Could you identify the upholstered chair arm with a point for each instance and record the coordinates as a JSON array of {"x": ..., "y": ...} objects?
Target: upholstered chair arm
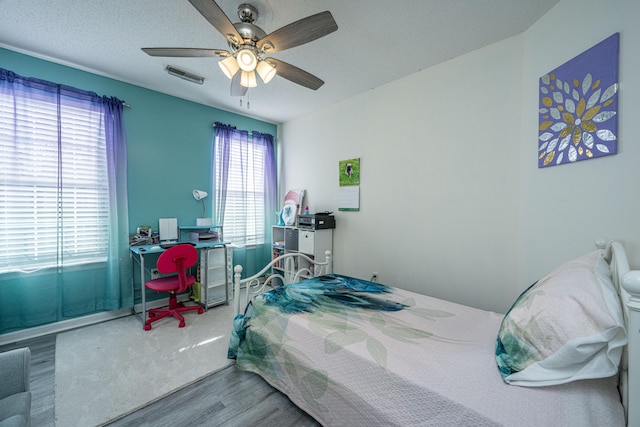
[{"x": 15, "y": 368}]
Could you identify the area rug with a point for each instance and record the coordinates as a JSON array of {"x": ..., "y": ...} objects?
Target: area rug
[{"x": 108, "y": 370}]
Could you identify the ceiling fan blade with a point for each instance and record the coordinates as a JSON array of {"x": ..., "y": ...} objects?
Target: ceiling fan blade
[
  {"x": 216, "y": 17},
  {"x": 236, "y": 88},
  {"x": 295, "y": 74},
  {"x": 299, "y": 32},
  {"x": 185, "y": 52}
]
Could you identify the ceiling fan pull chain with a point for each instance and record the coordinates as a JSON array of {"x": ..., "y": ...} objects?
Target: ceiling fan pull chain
[{"x": 248, "y": 103}]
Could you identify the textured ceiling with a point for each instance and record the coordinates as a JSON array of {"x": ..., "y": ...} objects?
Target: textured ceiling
[{"x": 377, "y": 41}]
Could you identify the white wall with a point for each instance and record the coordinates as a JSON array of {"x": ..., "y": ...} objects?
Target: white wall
[
  {"x": 563, "y": 208},
  {"x": 452, "y": 203}
]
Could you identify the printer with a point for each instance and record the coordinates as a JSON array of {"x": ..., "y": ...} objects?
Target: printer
[
  {"x": 316, "y": 221},
  {"x": 203, "y": 236}
]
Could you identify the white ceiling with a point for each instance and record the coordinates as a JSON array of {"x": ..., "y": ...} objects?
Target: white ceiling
[{"x": 377, "y": 41}]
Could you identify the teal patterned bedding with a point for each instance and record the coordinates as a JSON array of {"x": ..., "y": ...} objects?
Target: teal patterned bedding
[
  {"x": 332, "y": 293},
  {"x": 353, "y": 352}
]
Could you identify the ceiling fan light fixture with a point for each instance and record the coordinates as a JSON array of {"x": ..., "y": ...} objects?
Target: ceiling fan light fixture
[
  {"x": 247, "y": 60},
  {"x": 266, "y": 71},
  {"x": 229, "y": 66},
  {"x": 248, "y": 79},
  {"x": 249, "y": 45}
]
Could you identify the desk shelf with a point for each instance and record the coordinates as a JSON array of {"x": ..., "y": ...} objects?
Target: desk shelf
[{"x": 188, "y": 229}]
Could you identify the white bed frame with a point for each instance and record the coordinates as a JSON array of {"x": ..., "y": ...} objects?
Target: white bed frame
[
  {"x": 627, "y": 281},
  {"x": 257, "y": 283}
]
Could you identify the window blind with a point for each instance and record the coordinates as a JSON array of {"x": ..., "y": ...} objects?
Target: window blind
[
  {"x": 54, "y": 208},
  {"x": 244, "y": 221}
]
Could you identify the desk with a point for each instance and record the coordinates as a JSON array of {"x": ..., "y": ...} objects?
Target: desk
[{"x": 138, "y": 254}]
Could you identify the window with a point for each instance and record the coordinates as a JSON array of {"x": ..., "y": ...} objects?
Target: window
[
  {"x": 245, "y": 184},
  {"x": 54, "y": 189},
  {"x": 244, "y": 204}
]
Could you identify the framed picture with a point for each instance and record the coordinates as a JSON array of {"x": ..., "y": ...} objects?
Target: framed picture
[
  {"x": 292, "y": 206},
  {"x": 349, "y": 192},
  {"x": 578, "y": 107},
  {"x": 144, "y": 231},
  {"x": 349, "y": 172}
]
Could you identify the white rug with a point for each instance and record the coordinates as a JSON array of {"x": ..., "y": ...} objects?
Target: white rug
[{"x": 108, "y": 370}]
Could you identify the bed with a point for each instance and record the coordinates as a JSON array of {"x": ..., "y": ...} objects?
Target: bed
[{"x": 353, "y": 352}]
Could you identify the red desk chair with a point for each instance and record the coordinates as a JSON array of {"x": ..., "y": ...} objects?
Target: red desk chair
[{"x": 174, "y": 260}]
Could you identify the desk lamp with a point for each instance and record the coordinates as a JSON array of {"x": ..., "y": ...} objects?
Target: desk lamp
[{"x": 200, "y": 195}]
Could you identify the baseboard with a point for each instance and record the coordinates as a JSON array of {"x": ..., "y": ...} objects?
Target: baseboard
[{"x": 66, "y": 325}]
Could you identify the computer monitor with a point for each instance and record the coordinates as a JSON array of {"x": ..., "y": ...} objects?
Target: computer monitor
[{"x": 168, "y": 230}]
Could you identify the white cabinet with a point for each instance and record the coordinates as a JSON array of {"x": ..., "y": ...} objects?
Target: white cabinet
[
  {"x": 315, "y": 242},
  {"x": 215, "y": 275}
]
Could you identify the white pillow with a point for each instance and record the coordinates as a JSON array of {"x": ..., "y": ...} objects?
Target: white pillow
[{"x": 568, "y": 326}]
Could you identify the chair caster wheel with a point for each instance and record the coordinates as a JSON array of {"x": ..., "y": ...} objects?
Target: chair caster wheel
[
  {"x": 147, "y": 327},
  {"x": 181, "y": 325},
  {"x": 200, "y": 310}
]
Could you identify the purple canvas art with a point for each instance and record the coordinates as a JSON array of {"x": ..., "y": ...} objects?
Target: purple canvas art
[{"x": 578, "y": 107}]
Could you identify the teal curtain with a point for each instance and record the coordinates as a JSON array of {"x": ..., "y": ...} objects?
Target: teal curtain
[{"x": 68, "y": 284}]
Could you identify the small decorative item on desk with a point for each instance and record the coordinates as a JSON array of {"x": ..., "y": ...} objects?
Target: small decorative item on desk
[
  {"x": 306, "y": 210},
  {"x": 143, "y": 236},
  {"x": 144, "y": 230}
]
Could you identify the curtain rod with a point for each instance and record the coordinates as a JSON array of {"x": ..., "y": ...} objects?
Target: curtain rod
[
  {"x": 234, "y": 127},
  {"x": 239, "y": 130},
  {"x": 243, "y": 130}
]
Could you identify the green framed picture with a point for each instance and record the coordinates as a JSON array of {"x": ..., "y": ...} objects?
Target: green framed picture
[
  {"x": 349, "y": 172},
  {"x": 349, "y": 193}
]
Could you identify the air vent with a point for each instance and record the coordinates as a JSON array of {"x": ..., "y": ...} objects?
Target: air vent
[{"x": 194, "y": 78}]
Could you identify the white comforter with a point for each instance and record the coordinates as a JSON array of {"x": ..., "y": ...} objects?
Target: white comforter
[{"x": 431, "y": 363}]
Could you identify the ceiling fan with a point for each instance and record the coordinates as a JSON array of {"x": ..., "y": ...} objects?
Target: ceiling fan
[{"x": 250, "y": 45}]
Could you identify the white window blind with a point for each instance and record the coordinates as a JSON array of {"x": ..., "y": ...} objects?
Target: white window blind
[
  {"x": 54, "y": 196},
  {"x": 244, "y": 221}
]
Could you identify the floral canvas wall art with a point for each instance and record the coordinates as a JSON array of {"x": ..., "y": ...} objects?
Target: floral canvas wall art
[{"x": 578, "y": 107}]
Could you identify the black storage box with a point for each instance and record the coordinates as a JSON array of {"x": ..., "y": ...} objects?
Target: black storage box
[{"x": 316, "y": 221}]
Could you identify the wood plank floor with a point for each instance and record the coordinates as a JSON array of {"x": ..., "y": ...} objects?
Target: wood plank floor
[{"x": 227, "y": 398}]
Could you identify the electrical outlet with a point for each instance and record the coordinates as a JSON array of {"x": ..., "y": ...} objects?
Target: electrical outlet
[
  {"x": 374, "y": 277},
  {"x": 155, "y": 274}
]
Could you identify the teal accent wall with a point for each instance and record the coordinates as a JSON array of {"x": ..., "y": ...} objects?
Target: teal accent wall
[{"x": 169, "y": 140}]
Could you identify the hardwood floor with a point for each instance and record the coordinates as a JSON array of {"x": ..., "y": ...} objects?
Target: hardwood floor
[
  {"x": 43, "y": 353},
  {"x": 227, "y": 398}
]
